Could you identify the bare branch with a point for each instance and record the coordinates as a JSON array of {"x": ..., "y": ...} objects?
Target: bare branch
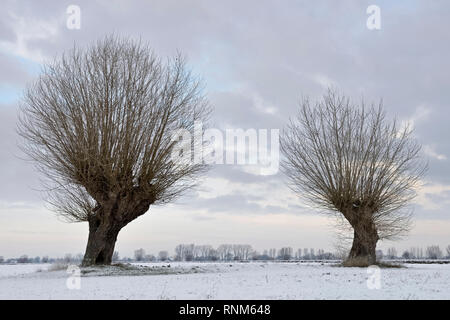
[
  {"x": 350, "y": 159},
  {"x": 99, "y": 125}
]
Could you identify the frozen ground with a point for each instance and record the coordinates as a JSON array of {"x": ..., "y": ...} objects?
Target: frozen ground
[{"x": 228, "y": 281}]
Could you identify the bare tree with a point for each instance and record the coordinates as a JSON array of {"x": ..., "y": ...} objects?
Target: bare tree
[
  {"x": 100, "y": 124},
  {"x": 225, "y": 251},
  {"x": 189, "y": 252},
  {"x": 246, "y": 251},
  {"x": 448, "y": 251},
  {"x": 237, "y": 255},
  {"x": 379, "y": 254},
  {"x": 185, "y": 252},
  {"x": 197, "y": 252},
  {"x": 163, "y": 255},
  {"x": 149, "y": 258},
  {"x": 350, "y": 160},
  {"x": 179, "y": 252},
  {"x": 68, "y": 258},
  {"x": 272, "y": 253},
  {"x": 242, "y": 251},
  {"x": 23, "y": 259},
  {"x": 306, "y": 254},
  {"x": 416, "y": 253},
  {"x": 115, "y": 256},
  {"x": 406, "y": 255},
  {"x": 139, "y": 254},
  {"x": 311, "y": 253},
  {"x": 285, "y": 253},
  {"x": 434, "y": 252},
  {"x": 203, "y": 252},
  {"x": 320, "y": 254}
]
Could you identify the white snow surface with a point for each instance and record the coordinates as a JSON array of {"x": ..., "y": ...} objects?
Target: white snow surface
[{"x": 254, "y": 280}]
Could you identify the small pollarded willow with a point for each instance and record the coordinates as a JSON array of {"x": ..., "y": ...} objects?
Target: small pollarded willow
[
  {"x": 99, "y": 123},
  {"x": 350, "y": 159}
]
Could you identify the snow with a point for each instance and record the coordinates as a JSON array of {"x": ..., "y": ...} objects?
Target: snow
[
  {"x": 7, "y": 270},
  {"x": 255, "y": 280}
]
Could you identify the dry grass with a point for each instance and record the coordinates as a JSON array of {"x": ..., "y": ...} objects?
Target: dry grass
[
  {"x": 360, "y": 262},
  {"x": 364, "y": 263},
  {"x": 58, "y": 266},
  {"x": 121, "y": 269}
]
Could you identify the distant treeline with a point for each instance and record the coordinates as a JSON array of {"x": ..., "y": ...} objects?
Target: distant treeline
[{"x": 240, "y": 252}]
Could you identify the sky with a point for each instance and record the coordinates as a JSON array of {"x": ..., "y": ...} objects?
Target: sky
[{"x": 257, "y": 60}]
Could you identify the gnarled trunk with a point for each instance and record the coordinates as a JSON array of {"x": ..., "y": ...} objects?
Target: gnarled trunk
[
  {"x": 101, "y": 242},
  {"x": 105, "y": 225},
  {"x": 365, "y": 238}
]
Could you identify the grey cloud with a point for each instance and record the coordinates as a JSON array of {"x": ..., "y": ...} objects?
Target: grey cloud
[
  {"x": 19, "y": 180},
  {"x": 236, "y": 204},
  {"x": 12, "y": 74},
  {"x": 276, "y": 51}
]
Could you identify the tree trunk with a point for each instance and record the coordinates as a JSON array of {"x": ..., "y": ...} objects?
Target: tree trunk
[
  {"x": 365, "y": 240},
  {"x": 101, "y": 242},
  {"x": 105, "y": 226}
]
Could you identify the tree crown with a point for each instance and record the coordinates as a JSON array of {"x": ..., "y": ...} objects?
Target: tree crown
[
  {"x": 99, "y": 124},
  {"x": 350, "y": 159}
]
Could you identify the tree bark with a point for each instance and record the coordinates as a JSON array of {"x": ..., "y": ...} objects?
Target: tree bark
[
  {"x": 365, "y": 238},
  {"x": 105, "y": 225},
  {"x": 101, "y": 242}
]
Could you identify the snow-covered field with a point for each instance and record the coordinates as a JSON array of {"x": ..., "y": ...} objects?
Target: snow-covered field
[{"x": 254, "y": 280}]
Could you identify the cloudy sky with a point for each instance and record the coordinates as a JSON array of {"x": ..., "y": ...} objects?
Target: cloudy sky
[{"x": 257, "y": 58}]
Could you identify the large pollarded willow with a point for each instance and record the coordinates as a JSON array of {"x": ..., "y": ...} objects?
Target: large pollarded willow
[
  {"x": 350, "y": 159},
  {"x": 99, "y": 123}
]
